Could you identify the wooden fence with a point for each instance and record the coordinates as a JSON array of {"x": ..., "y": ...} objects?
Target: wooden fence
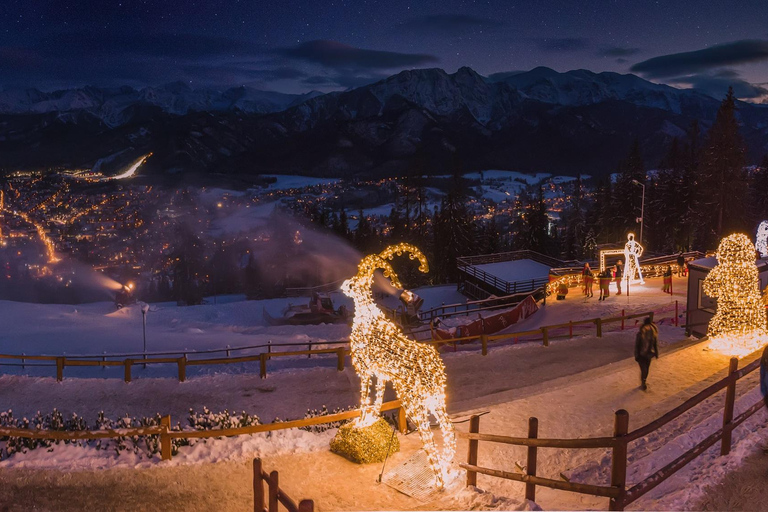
[
  {"x": 268, "y": 502},
  {"x": 543, "y": 334},
  {"x": 167, "y": 435},
  {"x": 620, "y": 496}
]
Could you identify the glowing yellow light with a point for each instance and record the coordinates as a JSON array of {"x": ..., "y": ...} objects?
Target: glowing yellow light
[
  {"x": 761, "y": 239},
  {"x": 380, "y": 349},
  {"x": 632, "y": 252},
  {"x": 739, "y": 325}
]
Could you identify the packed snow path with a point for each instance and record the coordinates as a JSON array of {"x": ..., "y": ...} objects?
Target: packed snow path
[{"x": 578, "y": 399}]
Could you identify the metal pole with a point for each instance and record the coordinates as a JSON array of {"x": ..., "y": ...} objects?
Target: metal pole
[
  {"x": 144, "y": 332},
  {"x": 642, "y": 214}
]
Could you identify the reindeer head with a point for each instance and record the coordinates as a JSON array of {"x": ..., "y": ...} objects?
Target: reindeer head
[{"x": 359, "y": 285}]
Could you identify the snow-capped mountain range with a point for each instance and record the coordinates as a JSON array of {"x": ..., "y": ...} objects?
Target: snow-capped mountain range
[
  {"x": 109, "y": 104},
  {"x": 539, "y": 120}
]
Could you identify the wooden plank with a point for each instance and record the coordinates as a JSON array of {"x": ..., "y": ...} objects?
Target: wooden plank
[
  {"x": 306, "y": 506},
  {"x": 258, "y": 486},
  {"x": 619, "y": 460},
  {"x": 474, "y": 428},
  {"x": 166, "y": 448},
  {"x": 670, "y": 469},
  {"x": 595, "y": 490},
  {"x": 590, "y": 442},
  {"x": 272, "y": 485},
  {"x": 79, "y": 434},
  {"x": 530, "y": 469},
  {"x": 286, "y": 501},
  {"x": 730, "y": 400},
  {"x": 306, "y": 422}
]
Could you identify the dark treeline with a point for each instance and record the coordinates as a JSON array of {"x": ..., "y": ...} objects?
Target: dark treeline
[{"x": 700, "y": 192}]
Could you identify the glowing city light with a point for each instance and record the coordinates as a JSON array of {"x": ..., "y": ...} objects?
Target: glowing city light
[
  {"x": 380, "y": 349},
  {"x": 738, "y": 327}
]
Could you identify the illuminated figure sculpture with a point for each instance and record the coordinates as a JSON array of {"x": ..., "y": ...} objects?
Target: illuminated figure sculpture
[
  {"x": 738, "y": 327},
  {"x": 380, "y": 349},
  {"x": 632, "y": 252},
  {"x": 761, "y": 239}
]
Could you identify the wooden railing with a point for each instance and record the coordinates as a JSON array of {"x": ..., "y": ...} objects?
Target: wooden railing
[
  {"x": 166, "y": 434},
  {"x": 268, "y": 501},
  {"x": 543, "y": 334},
  {"x": 498, "y": 257},
  {"x": 620, "y": 496}
]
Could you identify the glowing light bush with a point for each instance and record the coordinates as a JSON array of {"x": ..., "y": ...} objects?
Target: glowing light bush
[
  {"x": 380, "y": 349},
  {"x": 739, "y": 325}
]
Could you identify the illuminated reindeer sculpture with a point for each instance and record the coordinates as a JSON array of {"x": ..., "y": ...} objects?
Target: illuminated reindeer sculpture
[{"x": 380, "y": 349}]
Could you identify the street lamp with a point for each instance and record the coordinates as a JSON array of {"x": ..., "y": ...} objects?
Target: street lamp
[{"x": 642, "y": 209}]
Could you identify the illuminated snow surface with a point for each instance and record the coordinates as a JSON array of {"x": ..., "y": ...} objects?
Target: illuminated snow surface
[{"x": 573, "y": 387}]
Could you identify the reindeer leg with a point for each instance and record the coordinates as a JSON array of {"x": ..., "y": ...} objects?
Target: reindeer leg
[
  {"x": 419, "y": 415},
  {"x": 449, "y": 437},
  {"x": 365, "y": 398},
  {"x": 381, "y": 385}
]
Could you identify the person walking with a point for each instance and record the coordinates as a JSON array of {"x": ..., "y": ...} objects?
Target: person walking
[
  {"x": 619, "y": 276},
  {"x": 605, "y": 282},
  {"x": 646, "y": 348}
]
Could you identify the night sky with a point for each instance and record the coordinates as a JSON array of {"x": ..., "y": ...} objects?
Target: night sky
[{"x": 297, "y": 46}]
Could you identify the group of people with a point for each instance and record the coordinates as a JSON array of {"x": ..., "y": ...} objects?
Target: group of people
[{"x": 604, "y": 280}]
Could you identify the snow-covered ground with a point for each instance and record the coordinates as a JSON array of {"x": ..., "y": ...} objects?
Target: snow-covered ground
[
  {"x": 517, "y": 270},
  {"x": 573, "y": 387}
]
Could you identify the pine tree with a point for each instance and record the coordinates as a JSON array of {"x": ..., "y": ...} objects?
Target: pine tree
[
  {"x": 725, "y": 190},
  {"x": 575, "y": 223},
  {"x": 453, "y": 231}
]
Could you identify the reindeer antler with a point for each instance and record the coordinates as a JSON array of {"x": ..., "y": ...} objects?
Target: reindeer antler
[{"x": 371, "y": 263}]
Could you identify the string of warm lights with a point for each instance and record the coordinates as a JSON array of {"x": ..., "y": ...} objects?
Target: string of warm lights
[
  {"x": 761, "y": 239},
  {"x": 380, "y": 349},
  {"x": 739, "y": 325}
]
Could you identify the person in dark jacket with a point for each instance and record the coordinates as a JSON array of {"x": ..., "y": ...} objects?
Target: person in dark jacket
[
  {"x": 764, "y": 375},
  {"x": 646, "y": 348},
  {"x": 680, "y": 264},
  {"x": 619, "y": 276}
]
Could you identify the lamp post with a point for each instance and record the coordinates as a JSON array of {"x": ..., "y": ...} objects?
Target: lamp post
[
  {"x": 144, "y": 311},
  {"x": 642, "y": 209}
]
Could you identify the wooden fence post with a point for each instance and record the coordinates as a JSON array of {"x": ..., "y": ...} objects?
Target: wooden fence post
[
  {"x": 182, "y": 364},
  {"x": 340, "y": 359},
  {"x": 306, "y": 506},
  {"x": 619, "y": 459},
  {"x": 273, "y": 488},
  {"x": 650, "y": 315},
  {"x": 474, "y": 428},
  {"x": 258, "y": 487},
  {"x": 570, "y": 329},
  {"x": 166, "y": 447},
  {"x": 545, "y": 336},
  {"x": 127, "y": 363},
  {"x": 59, "y": 369},
  {"x": 484, "y": 343},
  {"x": 677, "y": 315},
  {"x": 730, "y": 399},
  {"x": 263, "y": 365},
  {"x": 402, "y": 420},
  {"x": 622, "y": 319},
  {"x": 533, "y": 433},
  {"x": 599, "y": 324}
]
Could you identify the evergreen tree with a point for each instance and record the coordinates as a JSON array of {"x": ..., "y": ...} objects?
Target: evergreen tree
[
  {"x": 724, "y": 184},
  {"x": 575, "y": 223},
  {"x": 453, "y": 231}
]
